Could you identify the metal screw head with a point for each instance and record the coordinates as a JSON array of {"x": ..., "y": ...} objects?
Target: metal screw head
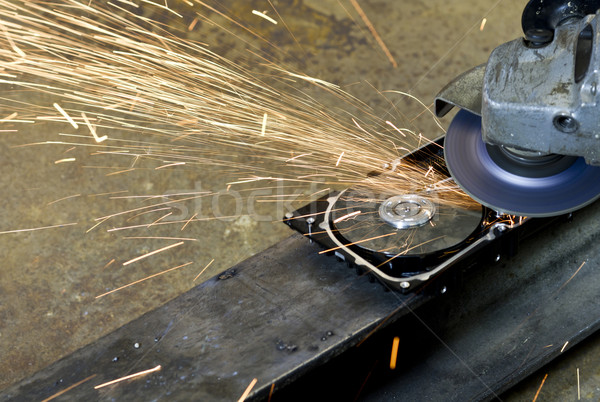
[{"x": 404, "y": 285}]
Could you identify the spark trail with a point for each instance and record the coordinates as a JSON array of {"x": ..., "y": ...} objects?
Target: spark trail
[{"x": 174, "y": 102}]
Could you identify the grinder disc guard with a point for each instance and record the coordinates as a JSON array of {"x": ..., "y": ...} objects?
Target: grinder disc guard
[{"x": 537, "y": 195}]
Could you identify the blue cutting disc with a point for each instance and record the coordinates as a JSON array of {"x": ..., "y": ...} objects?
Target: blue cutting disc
[{"x": 474, "y": 170}]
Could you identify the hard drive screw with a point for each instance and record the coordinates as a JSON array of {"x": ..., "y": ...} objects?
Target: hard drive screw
[{"x": 404, "y": 285}]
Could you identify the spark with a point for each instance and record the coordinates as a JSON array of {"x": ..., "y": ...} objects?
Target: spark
[
  {"x": 369, "y": 25},
  {"x": 339, "y": 159},
  {"x": 366, "y": 380},
  {"x": 357, "y": 242},
  {"x": 160, "y": 238},
  {"x": 271, "y": 392},
  {"x": 12, "y": 43},
  {"x": 312, "y": 79},
  {"x": 394, "y": 357},
  {"x": 204, "y": 269},
  {"x": 540, "y": 388},
  {"x": 564, "y": 347},
  {"x": 193, "y": 24},
  {"x": 9, "y": 117},
  {"x": 144, "y": 279},
  {"x": 120, "y": 171},
  {"x": 578, "y": 386},
  {"x": 297, "y": 157},
  {"x": 92, "y": 129},
  {"x": 188, "y": 221},
  {"x": 389, "y": 123},
  {"x": 169, "y": 165},
  {"x": 38, "y": 228},
  {"x": 160, "y": 219},
  {"x": 62, "y": 199},
  {"x": 100, "y": 222},
  {"x": 347, "y": 216},
  {"x": 429, "y": 171},
  {"x": 108, "y": 264},
  {"x": 483, "y": 21},
  {"x": 65, "y": 115},
  {"x": 127, "y": 377},
  {"x": 64, "y": 160},
  {"x": 264, "y": 125},
  {"x": 248, "y": 390},
  {"x": 265, "y": 16},
  {"x": 165, "y": 7},
  {"x": 160, "y": 250},
  {"x": 68, "y": 388},
  {"x": 572, "y": 276},
  {"x": 108, "y": 193}
]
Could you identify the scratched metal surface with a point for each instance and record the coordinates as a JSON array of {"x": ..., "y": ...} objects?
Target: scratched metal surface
[{"x": 273, "y": 317}]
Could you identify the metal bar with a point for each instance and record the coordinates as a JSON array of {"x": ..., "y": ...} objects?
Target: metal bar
[
  {"x": 289, "y": 310},
  {"x": 272, "y": 317}
]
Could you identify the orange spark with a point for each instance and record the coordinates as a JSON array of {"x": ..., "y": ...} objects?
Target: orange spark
[
  {"x": 160, "y": 250},
  {"x": 9, "y": 117},
  {"x": 144, "y": 279},
  {"x": 160, "y": 238},
  {"x": 357, "y": 242},
  {"x": 394, "y": 356},
  {"x": 160, "y": 219},
  {"x": 273, "y": 388},
  {"x": 483, "y": 21},
  {"x": 127, "y": 377},
  {"x": 540, "y": 388},
  {"x": 68, "y": 388},
  {"x": 247, "y": 391},
  {"x": 39, "y": 228},
  {"x": 109, "y": 263},
  {"x": 119, "y": 172},
  {"x": 62, "y": 199},
  {"x": 204, "y": 269},
  {"x": 369, "y": 25},
  {"x": 193, "y": 24},
  {"x": 189, "y": 220},
  {"x": 572, "y": 276}
]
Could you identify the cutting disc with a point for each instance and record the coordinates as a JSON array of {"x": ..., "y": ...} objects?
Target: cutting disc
[{"x": 545, "y": 192}]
